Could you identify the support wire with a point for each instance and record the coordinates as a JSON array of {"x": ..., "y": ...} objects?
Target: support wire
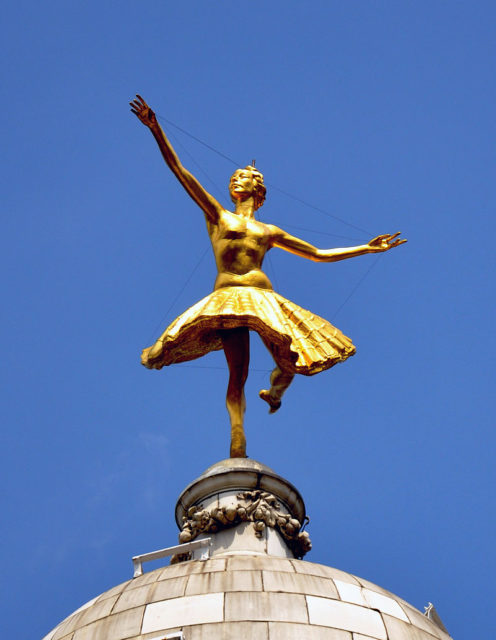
[{"x": 282, "y": 191}]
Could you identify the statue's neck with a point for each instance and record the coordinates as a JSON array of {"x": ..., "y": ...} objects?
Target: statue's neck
[{"x": 245, "y": 208}]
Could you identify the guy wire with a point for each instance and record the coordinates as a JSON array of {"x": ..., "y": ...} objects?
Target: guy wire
[
  {"x": 186, "y": 152},
  {"x": 222, "y": 155},
  {"x": 356, "y": 286},
  {"x": 185, "y": 365},
  {"x": 326, "y": 213},
  {"x": 322, "y": 233},
  {"x": 304, "y": 202},
  {"x": 171, "y": 306},
  {"x": 269, "y": 184},
  {"x": 176, "y": 141}
]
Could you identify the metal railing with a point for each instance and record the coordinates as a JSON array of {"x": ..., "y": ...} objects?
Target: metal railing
[{"x": 170, "y": 551}]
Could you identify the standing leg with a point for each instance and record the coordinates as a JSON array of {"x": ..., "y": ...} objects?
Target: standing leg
[
  {"x": 280, "y": 381},
  {"x": 236, "y": 343}
]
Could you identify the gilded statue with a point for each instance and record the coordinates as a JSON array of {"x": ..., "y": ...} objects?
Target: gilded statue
[{"x": 243, "y": 298}]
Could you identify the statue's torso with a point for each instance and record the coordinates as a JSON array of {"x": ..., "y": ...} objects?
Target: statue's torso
[{"x": 240, "y": 245}]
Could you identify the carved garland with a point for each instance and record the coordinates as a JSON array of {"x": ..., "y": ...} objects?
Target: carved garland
[{"x": 260, "y": 507}]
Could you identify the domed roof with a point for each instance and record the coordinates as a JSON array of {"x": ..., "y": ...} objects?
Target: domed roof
[
  {"x": 250, "y": 596},
  {"x": 237, "y": 574}
]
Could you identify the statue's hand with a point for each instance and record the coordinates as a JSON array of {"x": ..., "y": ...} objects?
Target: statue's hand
[
  {"x": 143, "y": 111},
  {"x": 385, "y": 242}
]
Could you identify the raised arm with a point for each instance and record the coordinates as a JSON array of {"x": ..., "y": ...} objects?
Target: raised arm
[
  {"x": 304, "y": 249},
  {"x": 202, "y": 198}
]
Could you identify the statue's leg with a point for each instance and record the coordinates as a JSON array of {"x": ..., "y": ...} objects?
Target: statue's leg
[
  {"x": 279, "y": 381},
  {"x": 236, "y": 343}
]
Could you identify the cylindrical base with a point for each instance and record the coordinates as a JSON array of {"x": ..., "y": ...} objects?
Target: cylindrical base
[{"x": 243, "y": 506}]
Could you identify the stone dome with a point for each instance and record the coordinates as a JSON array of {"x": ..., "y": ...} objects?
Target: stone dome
[
  {"x": 250, "y": 582},
  {"x": 247, "y": 596}
]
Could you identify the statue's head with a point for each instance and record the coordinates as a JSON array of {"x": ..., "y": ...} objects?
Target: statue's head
[{"x": 247, "y": 182}]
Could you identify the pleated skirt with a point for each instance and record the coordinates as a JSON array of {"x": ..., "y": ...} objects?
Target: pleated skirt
[{"x": 300, "y": 341}]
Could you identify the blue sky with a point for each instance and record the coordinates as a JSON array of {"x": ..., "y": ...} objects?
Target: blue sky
[{"x": 379, "y": 113}]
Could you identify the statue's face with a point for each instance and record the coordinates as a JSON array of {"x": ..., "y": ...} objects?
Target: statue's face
[{"x": 242, "y": 184}]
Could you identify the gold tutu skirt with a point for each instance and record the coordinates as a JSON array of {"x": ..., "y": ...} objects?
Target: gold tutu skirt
[{"x": 299, "y": 341}]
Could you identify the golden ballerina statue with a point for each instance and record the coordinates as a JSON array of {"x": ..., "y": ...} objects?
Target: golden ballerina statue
[{"x": 243, "y": 297}]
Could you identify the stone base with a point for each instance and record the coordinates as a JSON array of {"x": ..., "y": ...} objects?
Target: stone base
[{"x": 248, "y": 507}]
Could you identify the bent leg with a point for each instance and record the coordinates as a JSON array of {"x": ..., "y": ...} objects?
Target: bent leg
[
  {"x": 279, "y": 381},
  {"x": 236, "y": 343}
]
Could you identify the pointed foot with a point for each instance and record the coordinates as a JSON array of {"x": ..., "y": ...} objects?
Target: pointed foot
[{"x": 274, "y": 405}]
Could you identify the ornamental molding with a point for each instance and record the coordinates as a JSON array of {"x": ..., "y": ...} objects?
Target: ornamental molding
[{"x": 260, "y": 507}]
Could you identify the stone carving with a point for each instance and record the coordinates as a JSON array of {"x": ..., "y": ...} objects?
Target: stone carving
[{"x": 260, "y": 507}]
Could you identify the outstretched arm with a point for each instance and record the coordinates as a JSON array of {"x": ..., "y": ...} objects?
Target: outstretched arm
[
  {"x": 304, "y": 249},
  {"x": 202, "y": 198}
]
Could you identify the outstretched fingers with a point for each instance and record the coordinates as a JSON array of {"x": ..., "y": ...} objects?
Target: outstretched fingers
[
  {"x": 394, "y": 241},
  {"x": 387, "y": 241},
  {"x": 136, "y": 104},
  {"x": 142, "y": 111}
]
